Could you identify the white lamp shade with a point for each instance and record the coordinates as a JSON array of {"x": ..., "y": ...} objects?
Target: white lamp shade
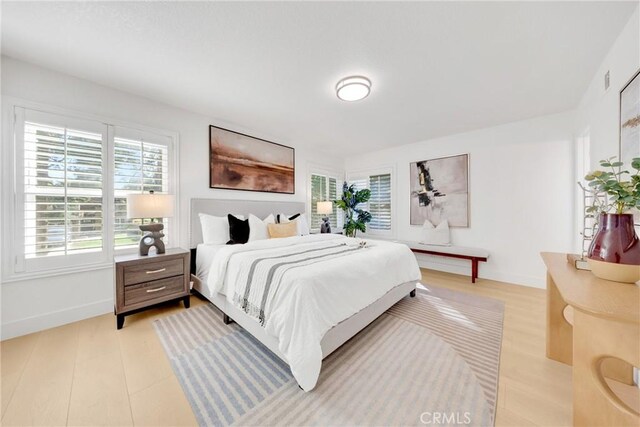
[
  {"x": 150, "y": 205},
  {"x": 325, "y": 208}
]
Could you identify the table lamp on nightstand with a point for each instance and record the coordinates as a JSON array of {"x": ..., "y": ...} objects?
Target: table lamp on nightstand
[
  {"x": 325, "y": 208},
  {"x": 151, "y": 205}
]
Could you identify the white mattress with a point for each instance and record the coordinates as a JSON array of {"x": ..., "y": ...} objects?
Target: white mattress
[{"x": 205, "y": 253}]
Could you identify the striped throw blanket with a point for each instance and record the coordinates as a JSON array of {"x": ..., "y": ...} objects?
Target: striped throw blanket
[{"x": 261, "y": 280}]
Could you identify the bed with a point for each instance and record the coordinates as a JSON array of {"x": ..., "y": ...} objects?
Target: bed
[{"x": 325, "y": 289}]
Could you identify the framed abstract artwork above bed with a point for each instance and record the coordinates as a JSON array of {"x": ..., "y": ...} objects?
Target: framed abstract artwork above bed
[
  {"x": 440, "y": 190},
  {"x": 242, "y": 162}
]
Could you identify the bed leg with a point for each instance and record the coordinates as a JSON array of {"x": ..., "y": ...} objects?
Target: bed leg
[
  {"x": 226, "y": 319},
  {"x": 412, "y": 294}
]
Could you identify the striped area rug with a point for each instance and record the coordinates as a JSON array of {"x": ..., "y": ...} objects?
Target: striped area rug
[{"x": 432, "y": 359}]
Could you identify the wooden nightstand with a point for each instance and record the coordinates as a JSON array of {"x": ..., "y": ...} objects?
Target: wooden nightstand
[{"x": 143, "y": 281}]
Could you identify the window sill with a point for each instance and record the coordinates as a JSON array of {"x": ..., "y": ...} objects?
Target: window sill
[
  {"x": 63, "y": 271},
  {"x": 21, "y": 277}
]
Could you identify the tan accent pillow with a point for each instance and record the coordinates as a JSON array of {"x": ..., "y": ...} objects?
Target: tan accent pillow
[{"x": 288, "y": 229}]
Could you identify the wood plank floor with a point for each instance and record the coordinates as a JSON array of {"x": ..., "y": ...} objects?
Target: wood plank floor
[{"x": 87, "y": 373}]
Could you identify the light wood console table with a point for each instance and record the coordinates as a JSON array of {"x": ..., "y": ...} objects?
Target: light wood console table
[{"x": 594, "y": 325}]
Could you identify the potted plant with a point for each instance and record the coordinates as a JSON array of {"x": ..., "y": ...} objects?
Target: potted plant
[
  {"x": 356, "y": 218},
  {"x": 614, "y": 253}
]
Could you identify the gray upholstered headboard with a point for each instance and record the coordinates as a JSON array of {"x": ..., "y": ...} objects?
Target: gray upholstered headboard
[{"x": 220, "y": 207}]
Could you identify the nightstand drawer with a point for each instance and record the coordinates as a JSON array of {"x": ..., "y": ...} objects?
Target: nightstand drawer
[
  {"x": 152, "y": 270},
  {"x": 142, "y": 292}
]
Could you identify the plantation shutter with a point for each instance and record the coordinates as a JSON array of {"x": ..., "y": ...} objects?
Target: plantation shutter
[
  {"x": 333, "y": 195},
  {"x": 63, "y": 163},
  {"x": 361, "y": 184},
  {"x": 380, "y": 202},
  {"x": 141, "y": 164},
  {"x": 323, "y": 188},
  {"x": 318, "y": 194}
]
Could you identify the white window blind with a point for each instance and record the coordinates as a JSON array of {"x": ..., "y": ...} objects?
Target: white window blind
[
  {"x": 361, "y": 184},
  {"x": 140, "y": 166},
  {"x": 380, "y": 202},
  {"x": 63, "y": 188},
  {"x": 323, "y": 188}
]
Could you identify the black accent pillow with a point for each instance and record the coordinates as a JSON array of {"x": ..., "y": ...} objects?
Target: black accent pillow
[
  {"x": 291, "y": 218},
  {"x": 238, "y": 230}
]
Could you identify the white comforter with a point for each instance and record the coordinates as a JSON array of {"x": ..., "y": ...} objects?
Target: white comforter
[{"x": 317, "y": 296}]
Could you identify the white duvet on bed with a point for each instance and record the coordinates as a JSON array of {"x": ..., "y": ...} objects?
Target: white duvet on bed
[
  {"x": 205, "y": 254},
  {"x": 314, "y": 298}
]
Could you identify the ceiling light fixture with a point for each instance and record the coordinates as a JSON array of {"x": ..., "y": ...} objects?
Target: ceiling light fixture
[{"x": 353, "y": 88}]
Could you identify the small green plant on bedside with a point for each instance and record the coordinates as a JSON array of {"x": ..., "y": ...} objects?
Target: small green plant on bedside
[
  {"x": 621, "y": 186},
  {"x": 356, "y": 219}
]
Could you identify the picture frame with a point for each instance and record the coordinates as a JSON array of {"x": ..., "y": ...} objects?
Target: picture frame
[
  {"x": 629, "y": 114},
  {"x": 629, "y": 125},
  {"x": 246, "y": 163},
  {"x": 440, "y": 194}
]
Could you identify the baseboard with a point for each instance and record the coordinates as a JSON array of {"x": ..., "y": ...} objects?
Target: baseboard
[
  {"x": 55, "y": 318},
  {"x": 485, "y": 272}
]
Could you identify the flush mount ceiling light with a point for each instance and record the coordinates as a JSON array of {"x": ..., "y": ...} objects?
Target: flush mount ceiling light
[{"x": 353, "y": 88}]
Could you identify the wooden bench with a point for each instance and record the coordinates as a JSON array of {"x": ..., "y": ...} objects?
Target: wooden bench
[{"x": 473, "y": 254}]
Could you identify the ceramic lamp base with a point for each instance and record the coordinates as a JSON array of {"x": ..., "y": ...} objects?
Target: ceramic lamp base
[
  {"x": 325, "y": 227},
  {"x": 624, "y": 273},
  {"x": 152, "y": 239}
]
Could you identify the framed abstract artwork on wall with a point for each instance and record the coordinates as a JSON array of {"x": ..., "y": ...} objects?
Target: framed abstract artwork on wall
[
  {"x": 242, "y": 162},
  {"x": 630, "y": 120},
  {"x": 630, "y": 126},
  {"x": 440, "y": 190}
]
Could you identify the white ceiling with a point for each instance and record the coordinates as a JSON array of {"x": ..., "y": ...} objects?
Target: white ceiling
[{"x": 436, "y": 68}]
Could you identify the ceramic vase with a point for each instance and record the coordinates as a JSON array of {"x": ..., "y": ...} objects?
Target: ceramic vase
[{"x": 614, "y": 253}]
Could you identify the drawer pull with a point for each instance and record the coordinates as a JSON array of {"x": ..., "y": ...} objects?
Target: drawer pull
[
  {"x": 156, "y": 289},
  {"x": 156, "y": 271}
]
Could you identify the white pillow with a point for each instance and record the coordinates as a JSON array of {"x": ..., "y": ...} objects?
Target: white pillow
[
  {"x": 215, "y": 229},
  {"x": 301, "y": 220},
  {"x": 303, "y": 225},
  {"x": 258, "y": 228},
  {"x": 436, "y": 235}
]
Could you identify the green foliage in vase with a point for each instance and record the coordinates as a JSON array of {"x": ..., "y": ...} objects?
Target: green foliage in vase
[
  {"x": 356, "y": 219},
  {"x": 621, "y": 186}
]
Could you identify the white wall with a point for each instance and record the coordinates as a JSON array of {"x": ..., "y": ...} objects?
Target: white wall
[
  {"x": 521, "y": 194},
  {"x": 41, "y": 303},
  {"x": 599, "y": 111}
]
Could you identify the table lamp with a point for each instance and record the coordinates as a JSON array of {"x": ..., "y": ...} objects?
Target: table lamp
[
  {"x": 325, "y": 208},
  {"x": 151, "y": 205}
]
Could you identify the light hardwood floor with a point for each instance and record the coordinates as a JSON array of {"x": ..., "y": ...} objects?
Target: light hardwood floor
[{"x": 87, "y": 373}]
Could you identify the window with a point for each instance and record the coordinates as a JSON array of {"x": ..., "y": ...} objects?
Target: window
[
  {"x": 62, "y": 190},
  {"x": 140, "y": 165},
  {"x": 361, "y": 184},
  {"x": 379, "y": 204},
  {"x": 66, "y": 172},
  {"x": 323, "y": 188}
]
